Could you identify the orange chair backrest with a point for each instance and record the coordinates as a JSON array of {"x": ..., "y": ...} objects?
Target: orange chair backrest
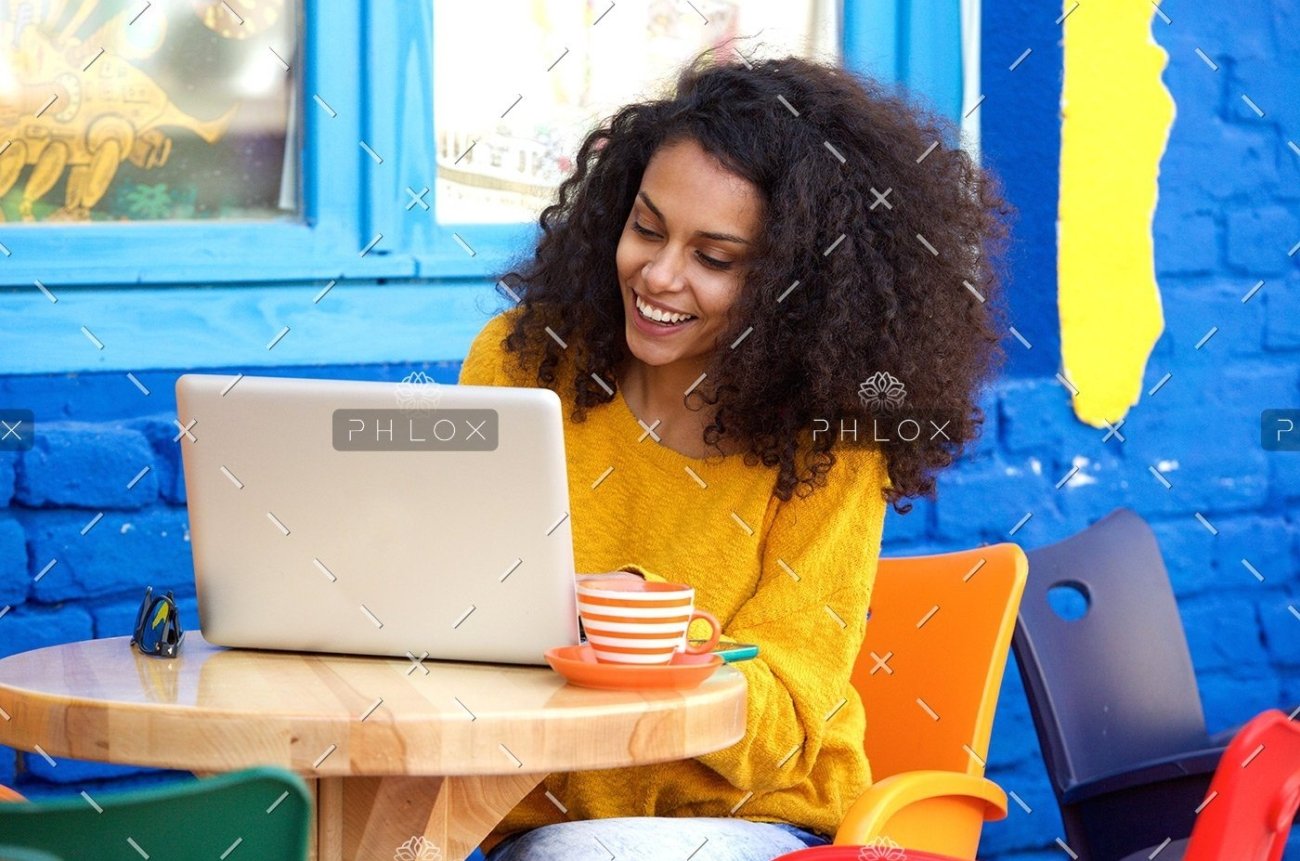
[
  {"x": 932, "y": 661},
  {"x": 1254, "y": 795}
]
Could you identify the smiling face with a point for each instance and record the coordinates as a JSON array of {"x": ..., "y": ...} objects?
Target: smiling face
[{"x": 684, "y": 247}]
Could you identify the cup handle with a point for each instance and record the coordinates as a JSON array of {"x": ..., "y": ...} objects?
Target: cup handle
[{"x": 705, "y": 647}]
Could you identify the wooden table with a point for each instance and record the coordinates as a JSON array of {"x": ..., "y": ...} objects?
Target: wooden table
[{"x": 391, "y": 748}]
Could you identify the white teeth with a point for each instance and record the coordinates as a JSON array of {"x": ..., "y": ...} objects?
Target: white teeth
[{"x": 660, "y": 316}]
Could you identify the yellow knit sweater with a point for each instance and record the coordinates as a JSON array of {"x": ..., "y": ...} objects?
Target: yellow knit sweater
[{"x": 792, "y": 577}]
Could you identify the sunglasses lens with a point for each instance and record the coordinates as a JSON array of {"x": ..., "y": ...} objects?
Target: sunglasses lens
[
  {"x": 140, "y": 616},
  {"x": 158, "y": 623},
  {"x": 151, "y": 631}
]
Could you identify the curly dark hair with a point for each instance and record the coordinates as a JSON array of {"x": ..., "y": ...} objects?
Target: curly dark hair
[{"x": 907, "y": 286}]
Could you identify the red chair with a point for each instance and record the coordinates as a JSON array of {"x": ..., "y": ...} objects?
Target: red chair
[
  {"x": 1246, "y": 815},
  {"x": 1254, "y": 795},
  {"x": 862, "y": 853}
]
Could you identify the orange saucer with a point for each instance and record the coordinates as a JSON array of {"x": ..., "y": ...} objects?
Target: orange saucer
[{"x": 578, "y": 664}]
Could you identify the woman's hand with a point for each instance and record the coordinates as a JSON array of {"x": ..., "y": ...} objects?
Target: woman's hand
[{"x": 608, "y": 576}]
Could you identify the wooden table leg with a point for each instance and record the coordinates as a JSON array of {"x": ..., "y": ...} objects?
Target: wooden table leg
[
  {"x": 364, "y": 818},
  {"x": 313, "y": 850}
]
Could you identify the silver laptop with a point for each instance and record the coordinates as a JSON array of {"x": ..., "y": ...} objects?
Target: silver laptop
[{"x": 402, "y": 519}]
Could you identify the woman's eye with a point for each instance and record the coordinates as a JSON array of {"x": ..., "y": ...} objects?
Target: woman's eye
[{"x": 711, "y": 262}]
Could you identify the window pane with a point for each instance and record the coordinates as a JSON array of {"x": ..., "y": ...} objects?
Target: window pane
[
  {"x": 518, "y": 85},
  {"x": 122, "y": 110}
]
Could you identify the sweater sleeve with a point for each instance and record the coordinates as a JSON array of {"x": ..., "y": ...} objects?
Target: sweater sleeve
[{"x": 808, "y": 618}]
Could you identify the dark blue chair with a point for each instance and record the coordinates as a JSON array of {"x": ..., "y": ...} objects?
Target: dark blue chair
[{"x": 1113, "y": 694}]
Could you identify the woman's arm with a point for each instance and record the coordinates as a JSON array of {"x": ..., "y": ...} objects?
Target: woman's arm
[{"x": 808, "y": 618}]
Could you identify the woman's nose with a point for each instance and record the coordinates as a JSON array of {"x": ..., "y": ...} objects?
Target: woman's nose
[{"x": 663, "y": 270}]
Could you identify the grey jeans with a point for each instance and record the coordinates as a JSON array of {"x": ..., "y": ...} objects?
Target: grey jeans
[{"x": 656, "y": 837}]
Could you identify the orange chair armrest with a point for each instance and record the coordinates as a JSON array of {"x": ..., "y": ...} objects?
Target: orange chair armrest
[
  {"x": 933, "y": 811},
  {"x": 7, "y": 794}
]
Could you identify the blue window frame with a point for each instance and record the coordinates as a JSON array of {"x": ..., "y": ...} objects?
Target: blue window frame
[
  {"x": 918, "y": 44},
  {"x": 401, "y": 196},
  {"x": 368, "y": 257}
]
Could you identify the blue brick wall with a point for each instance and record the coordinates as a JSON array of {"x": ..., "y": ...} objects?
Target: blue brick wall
[{"x": 1228, "y": 216}]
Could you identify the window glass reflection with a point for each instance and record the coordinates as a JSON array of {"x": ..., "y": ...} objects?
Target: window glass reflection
[{"x": 517, "y": 85}]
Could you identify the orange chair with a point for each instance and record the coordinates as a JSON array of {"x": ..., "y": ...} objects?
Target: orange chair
[
  {"x": 929, "y": 674},
  {"x": 7, "y": 794}
]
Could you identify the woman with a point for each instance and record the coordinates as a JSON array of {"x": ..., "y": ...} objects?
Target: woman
[{"x": 722, "y": 287}]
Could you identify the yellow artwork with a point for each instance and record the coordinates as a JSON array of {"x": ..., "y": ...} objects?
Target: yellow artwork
[
  {"x": 1116, "y": 115},
  {"x": 76, "y": 106}
]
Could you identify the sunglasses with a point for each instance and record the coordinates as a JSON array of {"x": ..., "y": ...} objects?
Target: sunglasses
[{"x": 158, "y": 626}]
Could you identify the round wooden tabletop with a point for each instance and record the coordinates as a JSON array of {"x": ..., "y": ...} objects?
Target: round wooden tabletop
[{"x": 216, "y": 709}]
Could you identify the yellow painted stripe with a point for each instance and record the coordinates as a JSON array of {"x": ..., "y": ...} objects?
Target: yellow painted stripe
[{"x": 1116, "y": 115}]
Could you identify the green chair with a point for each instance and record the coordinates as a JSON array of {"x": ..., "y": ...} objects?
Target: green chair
[
  {"x": 261, "y": 813},
  {"x": 16, "y": 853}
]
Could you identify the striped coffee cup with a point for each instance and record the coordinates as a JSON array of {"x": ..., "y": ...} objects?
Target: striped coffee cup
[{"x": 640, "y": 623}]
